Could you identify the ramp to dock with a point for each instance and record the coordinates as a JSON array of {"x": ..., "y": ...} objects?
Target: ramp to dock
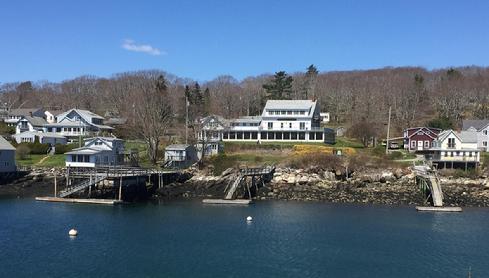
[
  {"x": 230, "y": 193},
  {"x": 436, "y": 193},
  {"x": 82, "y": 185}
]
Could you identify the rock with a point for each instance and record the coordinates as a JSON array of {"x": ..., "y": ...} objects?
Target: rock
[
  {"x": 303, "y": 180},
  {"x": 291, "y": 179}
]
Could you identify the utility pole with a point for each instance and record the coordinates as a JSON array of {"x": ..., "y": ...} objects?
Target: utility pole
[
  {"x": 186, "y": 119},
  {"x": 388, "y": 129}
]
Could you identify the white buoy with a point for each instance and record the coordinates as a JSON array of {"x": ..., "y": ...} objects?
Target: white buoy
[
  {"x": 249, "y": 218},
  {"x": 73, "y": 232}
]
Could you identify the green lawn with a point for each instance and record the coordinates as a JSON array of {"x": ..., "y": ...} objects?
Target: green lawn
[{"x": 57, "y": 160}]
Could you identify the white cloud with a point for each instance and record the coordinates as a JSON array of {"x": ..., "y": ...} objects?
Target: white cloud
[{"x": 145, "y": 48}]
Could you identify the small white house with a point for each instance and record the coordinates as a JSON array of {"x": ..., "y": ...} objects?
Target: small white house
[
  {"x": 97, "y": 151},
  {"x": 7, "y": 156},
  {"x": 455, "y": 149},
  {"x": 44, "y": 138},
  {"x": 324, "y": 117},
  {"x": 180, "y": 156}
]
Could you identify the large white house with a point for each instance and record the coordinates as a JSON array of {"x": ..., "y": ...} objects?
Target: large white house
[
  {"x": 481, "y": 127},
  {"x": 281, "y": 120},
  {"x": 97, "y": 151},
  {"x": 455, "y": 149}
]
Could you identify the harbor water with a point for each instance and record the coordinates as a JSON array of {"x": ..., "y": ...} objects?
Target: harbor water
[{"x": 285, "y": 239}]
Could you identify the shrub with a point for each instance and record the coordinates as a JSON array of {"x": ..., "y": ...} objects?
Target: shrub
[
  {"x": 318, "y": 159},
  {"x": 395, "y": 155},
  {"x": 22, "y": 152},
  {"x": 36, "y": 147},
  {"x": 61, "y": 149}
]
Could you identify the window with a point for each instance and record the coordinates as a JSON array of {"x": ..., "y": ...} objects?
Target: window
[
  {"x": 446, "y": 154},
  {"x": 458, "y": 153},
  {"x": 484, "y": 143},
  {"x": 270, "y": 125},
  {"x": 289, "y": 112},
  {"x": 263, "y": 136},
  {"x": 290, "y": 125},
  {"x": 470, "y": 154},
  {"x": 451, "y": 154},
  {"x": 281, "y": 125},
  {"x": 451, "y": 142},
  {"x": 302, "y": 112},
  {"x": 413, "y": 144},
  {"x": 426, "y": 144},
  {"x": 484, "y": 132},
  {"x": 302, "y": 125}
]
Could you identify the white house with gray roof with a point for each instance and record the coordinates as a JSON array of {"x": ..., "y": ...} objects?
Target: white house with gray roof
[
  {"x": 281, "y": 120},
  {"x": 97, "y": 151},
  {"x": 30, "y": 123},
  {"x": 78, "y": 122},
  {"x": 455, "y": 149},
  {"x": 7, "y": 156},
  {"x": 481, "y": 127}
]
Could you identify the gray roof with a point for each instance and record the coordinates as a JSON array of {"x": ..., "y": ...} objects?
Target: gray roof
[
  {"x": 289, "y": 104},
  {"x": 35, "y": 121},
  {"x": 468, "y": 136},
  {"x": 477, "y": 124},
  {"x": 5, "y": 145},
  {"x": 37, "y": 133},
  {"x": 116, "y": 121},
  {"x": 177, "y": 147},
  {"x": 87, "y": 115},
  {"x": 24, "y": 111},
  {"x": 464, "y": 136},
  {"x": 248, "y": 119}
]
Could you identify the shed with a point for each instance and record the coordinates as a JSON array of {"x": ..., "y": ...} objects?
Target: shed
[{"x": 180, "y": 156}]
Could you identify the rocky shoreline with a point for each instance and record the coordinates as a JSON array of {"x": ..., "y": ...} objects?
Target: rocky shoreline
[
  {"x": 369, "y": 186},
  {"x": 390, "y": 187}
]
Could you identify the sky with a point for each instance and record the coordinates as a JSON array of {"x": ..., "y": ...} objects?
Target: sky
[{"x": 59, "y": 40}]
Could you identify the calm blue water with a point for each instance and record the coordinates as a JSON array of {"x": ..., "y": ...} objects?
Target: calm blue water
[{"x": 286, "y": 239}]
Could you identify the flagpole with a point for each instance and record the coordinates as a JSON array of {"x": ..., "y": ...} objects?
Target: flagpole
[{"x": 186, "y": 120}]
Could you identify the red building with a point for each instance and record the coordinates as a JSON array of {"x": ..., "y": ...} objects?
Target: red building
[{"x": 418, "y": 139}]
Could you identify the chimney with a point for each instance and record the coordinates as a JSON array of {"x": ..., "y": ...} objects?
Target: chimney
[{"x": 30, "y": 113}]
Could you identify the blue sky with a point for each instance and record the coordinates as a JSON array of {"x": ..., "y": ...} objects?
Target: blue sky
[{"x": 58, "y": 40}]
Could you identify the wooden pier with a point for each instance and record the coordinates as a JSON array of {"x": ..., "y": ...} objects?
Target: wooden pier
[
  {"x": 80, "y": 201},
  {"x": 109, "y": 179},
  {"x": 428, "y": 182},
  {"x": 230, "y": 192}
]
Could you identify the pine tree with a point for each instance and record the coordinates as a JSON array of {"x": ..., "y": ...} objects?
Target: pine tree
[
  {"x": 310, "y": 82},
  {"x": 207, "y": 102},
  {"x": 280, "y": 87}
]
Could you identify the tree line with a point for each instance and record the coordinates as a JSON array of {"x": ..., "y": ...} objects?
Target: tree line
[{"x": 358, "y": 99}]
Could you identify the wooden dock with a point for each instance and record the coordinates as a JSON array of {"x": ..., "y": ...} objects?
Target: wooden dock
[
  {"x": 440, "y": 209},
  {"x": 80, "y": 201},
  {"x": 227, "y": 202}
]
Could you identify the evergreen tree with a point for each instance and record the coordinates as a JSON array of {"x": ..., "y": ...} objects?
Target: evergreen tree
[
  {"x": 280, "y": 87},
  {"x": 207, "y": 102},
  {"x": 309, "y": 88}
]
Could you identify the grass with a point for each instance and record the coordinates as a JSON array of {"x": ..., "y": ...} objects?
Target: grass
[
  {"x": 57, "y": 160},
  {"x": 347, "y": 142}
]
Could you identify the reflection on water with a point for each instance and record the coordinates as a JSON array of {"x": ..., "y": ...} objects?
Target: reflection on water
[{"x": 285, "y": 239}]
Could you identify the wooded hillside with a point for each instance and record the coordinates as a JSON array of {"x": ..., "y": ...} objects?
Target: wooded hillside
[{"x": 354, "y": 98}]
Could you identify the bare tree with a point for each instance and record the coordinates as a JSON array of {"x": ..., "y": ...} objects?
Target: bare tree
[{"x": 152, "y": 111}]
